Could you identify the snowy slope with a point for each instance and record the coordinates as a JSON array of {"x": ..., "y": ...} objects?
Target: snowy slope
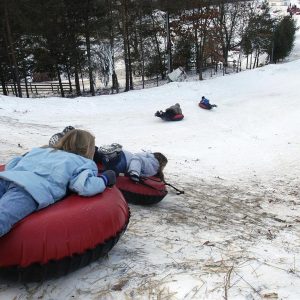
[{"x": 254, "y": 128}]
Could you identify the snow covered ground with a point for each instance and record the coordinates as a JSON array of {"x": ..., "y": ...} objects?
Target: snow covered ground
[{"x": 235, "y": 233}]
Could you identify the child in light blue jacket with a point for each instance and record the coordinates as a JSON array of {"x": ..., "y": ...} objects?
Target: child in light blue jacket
[
  {"x": 43, "y": 175},
  {"x": 136, "y": 165}
]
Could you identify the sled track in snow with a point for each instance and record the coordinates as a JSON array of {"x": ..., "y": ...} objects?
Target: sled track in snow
[
  {"x": 14, "y": 122},
  {"x": 18, "y": 137},
  {"x": 202, "y": 236}
]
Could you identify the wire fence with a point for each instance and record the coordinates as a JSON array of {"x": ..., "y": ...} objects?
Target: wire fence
[
  {"x": 48, "y": 89},
  {"x": 39, "y": 89}
]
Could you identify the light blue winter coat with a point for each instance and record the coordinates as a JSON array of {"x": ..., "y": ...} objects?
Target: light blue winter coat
[
  {"x": 142, "y": 164},
  {"x": 46, "y": 174}
]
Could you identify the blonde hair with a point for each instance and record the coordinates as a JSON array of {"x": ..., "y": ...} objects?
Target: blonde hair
[
  {"x": 77, "y": 141},
  {"x": 162, "y": 160}
]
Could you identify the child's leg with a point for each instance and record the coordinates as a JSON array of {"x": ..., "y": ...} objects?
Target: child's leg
[
  {"x": 3, "y": 186},
  {"x": 135, "y": 166},
  {"x": 15, "y": 205}
]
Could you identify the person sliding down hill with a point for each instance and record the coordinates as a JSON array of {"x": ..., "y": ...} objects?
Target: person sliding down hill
[
  {"x": 43, "y": 175},
  {"x": 134, "y": 165},
  {"x": 169, "y": 112},
  {"x": 204, "y": 103}
]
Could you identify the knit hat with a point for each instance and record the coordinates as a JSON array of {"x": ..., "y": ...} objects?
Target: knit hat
[
  {"x": 67, "y": 129},
  {"x": 56, "y": 137}
]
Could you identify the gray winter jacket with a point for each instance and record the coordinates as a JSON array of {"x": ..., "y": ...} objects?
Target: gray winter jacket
[
  {"x": 141, "y": 164},
  {"x": 176, "y": 108}
]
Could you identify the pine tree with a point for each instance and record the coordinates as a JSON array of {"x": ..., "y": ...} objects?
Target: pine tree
[
  {"x": 284, "y": 37},
  {"x": 257, "y": 37}
]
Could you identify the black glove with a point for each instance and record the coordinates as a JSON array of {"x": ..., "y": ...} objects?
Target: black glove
[
  {"x": 109, "y": 177},
  {"x": 97, "y": 156}
]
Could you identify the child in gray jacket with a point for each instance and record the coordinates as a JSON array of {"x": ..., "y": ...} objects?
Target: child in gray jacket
[{"x": 136, "y": 165}]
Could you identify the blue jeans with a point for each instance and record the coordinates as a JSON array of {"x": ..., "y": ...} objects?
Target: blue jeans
[
  {"x": 15, "y": 204},
  {"x": 119, "y": 165},
  {"x": 135, "y": 166}
]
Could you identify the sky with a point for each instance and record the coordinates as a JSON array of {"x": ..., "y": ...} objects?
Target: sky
[{"x": 234, "y": 234}]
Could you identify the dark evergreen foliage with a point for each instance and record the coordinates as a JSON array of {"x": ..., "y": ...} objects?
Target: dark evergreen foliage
[
  {"x": 284, "y": 37},
  {"x": 67, "y": 39},
  {"x": 258, "y": 36}
]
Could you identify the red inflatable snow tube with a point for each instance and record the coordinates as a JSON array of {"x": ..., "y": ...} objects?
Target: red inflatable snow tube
[
  {"x": 150, "y": 190},
  {"x": 204, "y": 106},
  {"x": 63, "y": 237},
  {"x": 177, "y": 117}
]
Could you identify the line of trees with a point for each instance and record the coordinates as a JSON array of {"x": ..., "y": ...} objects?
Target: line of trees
[{"x": 79, "y": 39}]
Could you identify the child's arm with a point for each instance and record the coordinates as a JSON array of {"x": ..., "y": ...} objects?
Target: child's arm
[
  {"x": 86, "y": 183},
  {"x": 12, "y": 163}
]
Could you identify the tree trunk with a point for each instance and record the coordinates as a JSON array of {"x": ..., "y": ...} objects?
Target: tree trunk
[
  {"x": 88, "y": 49},
  {"x": 128, "y": 45},
  {"x": 125, "y": 42},
  {"x": 196, "y": 42},
  {"x": 69, "y": 79},
  {"x": 26, "y": 86},
  {"x": 2, "y": 79},
  {"x": 115, "y": 81},
  {"x": 130, "y": 67},
  {"x": 200, "y": 64},
  {"x": 201, "y": 56},
  {"x": 126, "y": 66},
  {"x": 161, "y": 66},
  {"x": 114, "y": 78},
  {"x": 12, "y": 51},
  {"x": 255, "y": 59},
  {"x": 59, "y": 80},
  {"x": 142, "y": 52},
  {"x": 3, "y": 84},
  {"x": 81, "y": 77},
  {"x": 77, "y": 84},
  {"x": 169, "y": 45}
]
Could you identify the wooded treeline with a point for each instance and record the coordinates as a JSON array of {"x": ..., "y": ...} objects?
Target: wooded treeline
[{"x": 57, "y": 39}]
